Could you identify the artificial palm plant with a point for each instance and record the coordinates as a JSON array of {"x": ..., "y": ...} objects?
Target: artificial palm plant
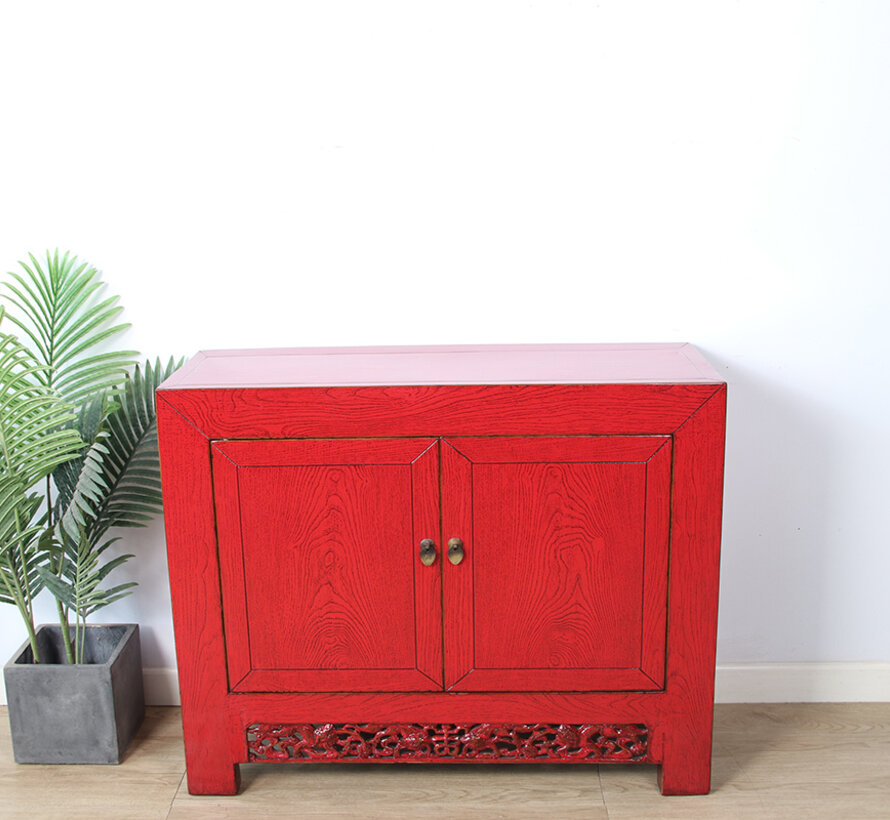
[
  {"x": 105, "y": 472},
  {"x": 113, "y": 482},
  {"x": 35, "y": 437}
]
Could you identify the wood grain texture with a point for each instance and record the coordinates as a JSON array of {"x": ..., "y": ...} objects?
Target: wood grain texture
[
  {"x": 327, "y": 540},
  {"x": 604, "y": 497},
  {"x": 197, "y": 611},
  {"x": 428, "y": 580},
  {"x": 693, "y": 593},
  {"x": 653, "y": 709},
  {"x": 324, "y": 452},
  {"x": 230, "y": 550},
  {"x": 655, "y": 572},
  {"x": 559, "y": 527},
  {"x": 457, "y": 581},
  {"x": 559, "y": 567},
  {"x": 559, "y": 449},
  {"x": 585, "y": 679},
  {"x": 444, "y": 410}
]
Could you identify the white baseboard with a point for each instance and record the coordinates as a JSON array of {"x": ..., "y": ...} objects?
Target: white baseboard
[
  {"x": 736, "y": 683},
  {"x": 161, "y": 686},
  {"x": 802, "y": 682}
]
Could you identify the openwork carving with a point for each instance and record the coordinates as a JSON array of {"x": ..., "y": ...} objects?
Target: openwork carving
[{"x": 593, "y": 743}]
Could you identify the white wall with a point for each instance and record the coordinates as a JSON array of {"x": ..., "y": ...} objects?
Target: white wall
[{"x": 327, "y": 173}]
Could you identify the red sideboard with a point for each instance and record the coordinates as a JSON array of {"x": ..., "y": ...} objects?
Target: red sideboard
[{"x": 445, "y": 554}]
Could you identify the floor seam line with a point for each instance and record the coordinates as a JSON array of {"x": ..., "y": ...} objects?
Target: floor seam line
[
  {"x": 599, "y": 777},
  {"x": 175, "y": 792}
]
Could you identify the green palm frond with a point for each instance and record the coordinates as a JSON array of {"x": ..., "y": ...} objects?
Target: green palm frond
[
  {"x": 131, "y": 466},
  {"x": 115, "y": 482},
  {"x": 20, "y": 532},
  {"x": 80, "y": 590},
  {"x": 78, "y": 587},
  {"x": 35, "y": 431},
  {"x": 65, "y": 319},
  {"x": 80, "y": 483},
  {"x": 35, "y": 437}
]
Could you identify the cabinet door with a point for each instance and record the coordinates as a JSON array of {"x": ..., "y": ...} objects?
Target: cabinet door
[
  {"x": 563, "y": 582},
  {"x": 323, "y": 589}
]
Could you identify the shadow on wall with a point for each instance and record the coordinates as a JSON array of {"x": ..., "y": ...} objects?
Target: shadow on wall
[{"x": 780, "y": 522}]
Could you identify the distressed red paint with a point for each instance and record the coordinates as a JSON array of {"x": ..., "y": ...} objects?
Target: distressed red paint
[
  {"x": 444, "y": 742},
  {"x": 585, "y": 483}
]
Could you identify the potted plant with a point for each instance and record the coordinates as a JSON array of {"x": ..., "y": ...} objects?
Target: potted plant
[{"x": 78, "y": 456}]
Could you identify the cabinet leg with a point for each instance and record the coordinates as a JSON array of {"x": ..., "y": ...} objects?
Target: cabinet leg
[
  {"x": 686, "y": 774},
  {"x": 223, "y": 779}
]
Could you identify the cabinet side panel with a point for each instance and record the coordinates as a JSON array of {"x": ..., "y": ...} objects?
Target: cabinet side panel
[
  {"x": 197, "y": 612},
  {"x": 692, "y": 603}
]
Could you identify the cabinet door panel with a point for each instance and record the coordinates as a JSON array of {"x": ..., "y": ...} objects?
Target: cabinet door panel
[
  {"x": 318, "y": 554},
  {"x": 564, "y": 582}
]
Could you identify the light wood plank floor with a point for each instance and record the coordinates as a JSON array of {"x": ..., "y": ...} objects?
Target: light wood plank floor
[{"x": 770, "y": 761}]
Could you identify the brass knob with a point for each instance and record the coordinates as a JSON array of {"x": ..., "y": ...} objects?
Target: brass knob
[
  {"x": 455, "y": 551},
  {"x": 427, "y": 552}
]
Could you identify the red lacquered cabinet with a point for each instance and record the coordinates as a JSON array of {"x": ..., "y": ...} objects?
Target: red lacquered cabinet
[{"x": 445, "y": 554}]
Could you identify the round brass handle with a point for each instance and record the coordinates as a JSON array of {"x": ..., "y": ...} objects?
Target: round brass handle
[
  {"x": 427, "y": 552},
  {"x": 455, "y": 551}
]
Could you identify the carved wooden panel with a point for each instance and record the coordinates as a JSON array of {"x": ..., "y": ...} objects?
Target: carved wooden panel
[{"x": 541, "y": 742}]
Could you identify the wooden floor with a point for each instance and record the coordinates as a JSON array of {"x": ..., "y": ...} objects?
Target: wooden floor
[{"x": 770, "y": 761}]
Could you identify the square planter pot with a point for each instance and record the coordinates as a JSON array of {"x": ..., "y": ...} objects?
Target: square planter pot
[{"x": 76, "y": 713}]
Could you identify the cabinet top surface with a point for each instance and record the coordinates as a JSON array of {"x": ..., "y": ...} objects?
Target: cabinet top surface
[{"x": 460, "y": 364}]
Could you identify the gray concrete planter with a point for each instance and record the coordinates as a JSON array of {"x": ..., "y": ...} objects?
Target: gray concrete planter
[{"x": 81, "y": 713}]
